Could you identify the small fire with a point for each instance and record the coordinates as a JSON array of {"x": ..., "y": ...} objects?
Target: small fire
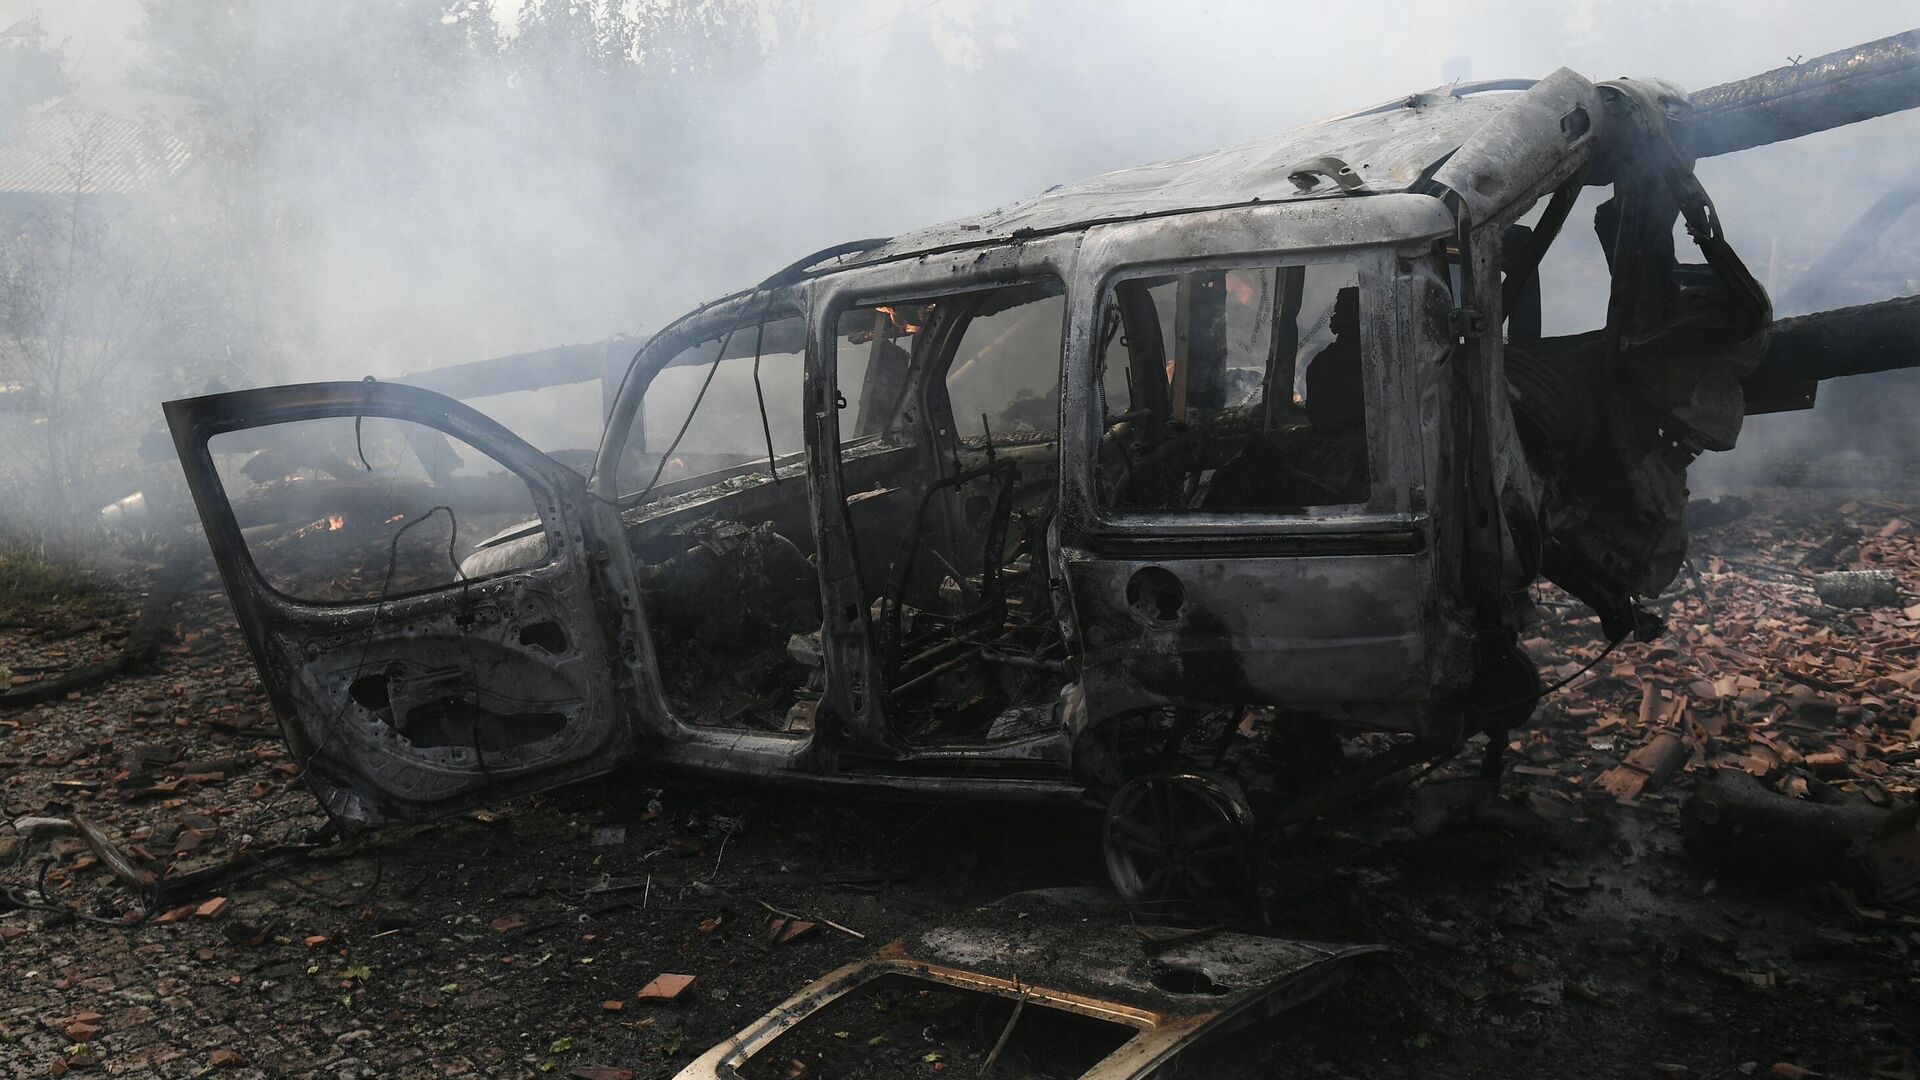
[
  {"x": 396, "y": 517},
  {"x": 330, "y": 523},
  {"x": 897, "y": 319},
  {"x": 1243, "y": 291}
]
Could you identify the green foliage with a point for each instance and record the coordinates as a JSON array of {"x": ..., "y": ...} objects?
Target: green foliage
[{"x": 33, "y": 576}]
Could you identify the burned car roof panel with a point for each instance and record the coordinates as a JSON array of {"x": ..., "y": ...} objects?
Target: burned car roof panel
[{"x": 1386, "y": 151}]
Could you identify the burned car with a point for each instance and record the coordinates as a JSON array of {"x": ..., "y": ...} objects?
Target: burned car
[{"x": 1046, "y": 504}]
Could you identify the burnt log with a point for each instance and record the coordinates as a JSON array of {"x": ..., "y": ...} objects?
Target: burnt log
[
  {"x": 1846, "y": 341},
  {"x": 1830, "y": 91},
  {"x": 1806, "y": 349},
  {"x": 1858, "y": 588},
  {"x": 1739, "y": 827}
]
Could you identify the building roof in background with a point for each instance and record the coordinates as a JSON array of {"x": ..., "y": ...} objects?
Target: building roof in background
[{"x": 71, "y": 149}]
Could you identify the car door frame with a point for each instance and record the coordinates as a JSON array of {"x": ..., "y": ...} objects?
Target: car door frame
[
  {"x": 1182, "y": 661},
  {"x": 668, "y": 738},
  {"x": 576, "y": 584},
  {"x": 847, "y": 639}
]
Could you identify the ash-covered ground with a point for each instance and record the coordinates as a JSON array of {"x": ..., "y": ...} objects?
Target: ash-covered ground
[{"x": 1561, "y": 929}]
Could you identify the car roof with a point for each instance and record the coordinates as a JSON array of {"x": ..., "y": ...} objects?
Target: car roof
[{"x": 1389, "y": 148}]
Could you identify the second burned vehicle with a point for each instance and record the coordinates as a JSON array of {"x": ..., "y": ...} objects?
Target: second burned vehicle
[{"x": 1048, "y": 503}]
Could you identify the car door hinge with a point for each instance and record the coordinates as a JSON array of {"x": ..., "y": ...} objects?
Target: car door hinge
[{"x": 1466, "y": 322}]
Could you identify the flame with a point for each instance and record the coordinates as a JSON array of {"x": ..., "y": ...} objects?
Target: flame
[
  {"x": 394, "y": 518},
  {"x": 896, "y": 319},
  {"x": 1241, "y": 289},
  {"x": 330, "y": 523}
]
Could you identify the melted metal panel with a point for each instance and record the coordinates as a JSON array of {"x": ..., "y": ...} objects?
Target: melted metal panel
[
  {"x": 1280, "y": 630},
  {"x": 1173, "y": 1000}
]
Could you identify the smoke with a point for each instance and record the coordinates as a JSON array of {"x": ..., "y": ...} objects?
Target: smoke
[
  {"x": 390, "y": 185},
  {"x": 1801, "y": 213},
  {"x": 490, "y": 224}
]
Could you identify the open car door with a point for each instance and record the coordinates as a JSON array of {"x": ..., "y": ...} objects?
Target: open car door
[{"x": 413, "y": 678}]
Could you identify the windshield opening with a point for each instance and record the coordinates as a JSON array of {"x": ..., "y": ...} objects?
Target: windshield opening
[{"x": 725, "y": 406}]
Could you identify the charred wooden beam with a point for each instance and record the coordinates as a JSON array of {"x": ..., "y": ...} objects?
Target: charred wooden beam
[
  {"x": 1807, "y": 349},
  {"x": 562, "y": 365},
  {"x": 1830, "y": 91},
  {"x": 536, "y": 370},
  {"x": 1741, "y": 828},
  {"x": 1860, "y": 340}
]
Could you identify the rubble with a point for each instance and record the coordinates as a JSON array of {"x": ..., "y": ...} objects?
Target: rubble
[
  {"x": 666, "y": 987},
  {"x": 1790, "y": 724},
  {"x": 1647, "y": 767},
  {"x": 34, "y": 828},
  {"x": 1589, "y": 900},
  {"x": 138, "y": 647}
]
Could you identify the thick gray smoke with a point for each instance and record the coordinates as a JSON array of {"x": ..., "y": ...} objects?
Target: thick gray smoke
[
  {"x": 1819, "y": 244},
  {"x": 387, "y": 185}
]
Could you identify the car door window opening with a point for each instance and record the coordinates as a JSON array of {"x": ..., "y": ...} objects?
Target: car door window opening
[
  {"x": 364, "y": 508},
  {"x": 1216, "y": 396},
  {"x": 725, "y": 549},
  {"x": 949, "y": 457}
]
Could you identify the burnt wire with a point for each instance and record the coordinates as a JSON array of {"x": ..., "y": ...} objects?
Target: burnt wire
[
  {"x": 16, "y": 897},
  {"x": 373, "y": 626},
  {"x": 359, "y": 668},
  {"x": 358, "y": 446},
  {"x": 624, "y": 503},
  {"x": 929, "y": 5},
  {"x": 766, "y": 426},
  {"x": 366, "y": 891},
  {"x": 386, "y": 589},
  {"x": 1699, "y": 583},
  {"x": 1543, "y": 694},
  {"x": 718, "y": 355}
]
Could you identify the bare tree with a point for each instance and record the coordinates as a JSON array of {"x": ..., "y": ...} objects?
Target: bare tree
[{"x": 79, "y": 281}]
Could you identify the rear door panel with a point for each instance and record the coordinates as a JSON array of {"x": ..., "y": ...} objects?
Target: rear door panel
[
  {"x": 1251, "y": 629},
  {"x": 411, "y": 679}
]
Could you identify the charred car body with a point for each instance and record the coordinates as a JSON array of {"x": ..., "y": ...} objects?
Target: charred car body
[{"x": 1043, "y": 504}]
